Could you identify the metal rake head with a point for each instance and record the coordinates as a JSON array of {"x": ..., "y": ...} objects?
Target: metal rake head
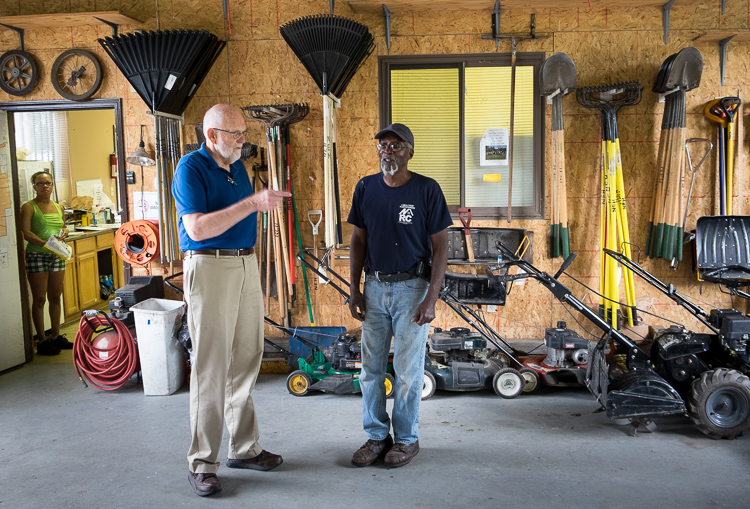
[
  {"x": 271, "y": 115},
  {"x": 302, "y": 110},
  {"x": 615, "y": 95}
]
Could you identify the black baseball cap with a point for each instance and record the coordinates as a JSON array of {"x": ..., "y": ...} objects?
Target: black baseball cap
[{"x": 399, "y": 130}]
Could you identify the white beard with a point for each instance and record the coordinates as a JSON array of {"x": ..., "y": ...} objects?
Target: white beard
[
  {"x": 228, "y": 152},
  {"x": 232, "y": 156},
  {"x": 388, "y": 167}
]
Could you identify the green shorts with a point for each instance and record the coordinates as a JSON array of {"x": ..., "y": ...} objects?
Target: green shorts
[{"x": 43, "y": 262}]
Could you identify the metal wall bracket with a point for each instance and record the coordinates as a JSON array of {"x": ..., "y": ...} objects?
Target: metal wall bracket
[
  {"x": 111, "y": 25},
  {"x": 496, "y": 35},
  {"x": 180, "y": 118},
  {"x": 723, "y": 56},
  {"x": 496, "y": 23},
  {"x": 387, "y": 18},
  {"x": 19, "y": 31},
  {"x": 665, "y": 19}
]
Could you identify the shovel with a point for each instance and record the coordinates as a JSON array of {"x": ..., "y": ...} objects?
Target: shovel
[
  {"x": 311, "y": 216},
  {"x": 558, "y": 77}
]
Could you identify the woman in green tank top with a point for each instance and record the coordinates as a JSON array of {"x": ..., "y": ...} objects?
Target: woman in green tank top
[{"x": 40, "y": 219}]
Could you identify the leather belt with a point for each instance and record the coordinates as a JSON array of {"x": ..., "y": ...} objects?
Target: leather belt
[
  {"x": 394, "y": 277},
  {"x": 220, "y": 252}
]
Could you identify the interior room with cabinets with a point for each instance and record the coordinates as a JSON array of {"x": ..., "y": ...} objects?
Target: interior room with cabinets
[{"x": 77, "y": 148}]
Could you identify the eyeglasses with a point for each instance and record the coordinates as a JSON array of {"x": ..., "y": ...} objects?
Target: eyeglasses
[
  {"x": 235, "y": 134},
  {"x": 43, "y": 184},
  {"x": 396, "y": 146}
]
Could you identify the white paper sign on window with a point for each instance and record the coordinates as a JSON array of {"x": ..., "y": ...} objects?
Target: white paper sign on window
[{"x": 494, "y": 147}]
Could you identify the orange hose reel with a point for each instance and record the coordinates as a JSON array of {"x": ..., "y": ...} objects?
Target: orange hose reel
[{"x": 137, "y": 242}]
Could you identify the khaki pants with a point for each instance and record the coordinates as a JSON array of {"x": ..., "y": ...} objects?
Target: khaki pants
[{"x": 225, "y": 318}]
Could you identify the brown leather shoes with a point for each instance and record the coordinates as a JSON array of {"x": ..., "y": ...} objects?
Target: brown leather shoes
[
  {"x": 401, "y": 454},
  {"x": 263, "y": 461},
  {"x": 372, "y": 451},
  {"x": 204, "y": 484}
]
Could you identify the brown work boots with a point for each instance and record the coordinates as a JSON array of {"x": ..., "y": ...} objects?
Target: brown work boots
[
  {"x": 204, "y": 485},
  {"x": 396, "y": 455}
]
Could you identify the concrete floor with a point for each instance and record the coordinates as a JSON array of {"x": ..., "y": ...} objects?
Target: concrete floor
[{"x": 64, "y": 446}]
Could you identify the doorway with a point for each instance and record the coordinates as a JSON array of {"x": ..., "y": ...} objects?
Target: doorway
[{"x": 87, "y": 167}]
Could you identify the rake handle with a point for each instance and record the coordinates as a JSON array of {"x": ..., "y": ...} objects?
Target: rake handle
[{"x": 510, "y": 134}]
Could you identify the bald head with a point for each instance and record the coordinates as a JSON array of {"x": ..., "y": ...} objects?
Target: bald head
[
  {"x": 222, "y": 124},
  {"x": 220, "y": 116}
]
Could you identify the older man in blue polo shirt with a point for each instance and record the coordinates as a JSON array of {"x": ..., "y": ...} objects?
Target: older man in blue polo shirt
[{"x": 217, "y": 213}]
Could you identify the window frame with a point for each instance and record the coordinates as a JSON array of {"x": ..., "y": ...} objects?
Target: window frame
[{"x": 461, "y": 62}]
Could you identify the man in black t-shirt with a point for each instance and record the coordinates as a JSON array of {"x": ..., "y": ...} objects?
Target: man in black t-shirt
[{"x": 400, "y": 219}]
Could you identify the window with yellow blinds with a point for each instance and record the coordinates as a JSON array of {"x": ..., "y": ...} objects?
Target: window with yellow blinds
[{"x": 458, "y": 107}]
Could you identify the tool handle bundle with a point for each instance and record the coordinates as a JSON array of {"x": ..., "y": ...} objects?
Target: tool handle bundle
[
  {"x": 723, "y": 111},
  {"x": 614, "y": 230},
  {"x": 558, "y": 77},
  {"x": 278, "y": 225},
  {"x": 678, "y": 74}
]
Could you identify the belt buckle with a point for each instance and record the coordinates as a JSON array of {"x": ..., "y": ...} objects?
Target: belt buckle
[
  {"x": 377, "y": 277},
  {"x": 237, "y": 252}
]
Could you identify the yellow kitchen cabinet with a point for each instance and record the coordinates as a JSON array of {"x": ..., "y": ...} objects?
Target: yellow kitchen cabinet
[
  {"x": 93, "y": 256},
  {"x": 70, "y": 287},
  {"x": 88, "y": 273}
]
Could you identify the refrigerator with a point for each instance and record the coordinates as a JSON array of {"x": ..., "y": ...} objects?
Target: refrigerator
[{"x": 12, "y": 346}]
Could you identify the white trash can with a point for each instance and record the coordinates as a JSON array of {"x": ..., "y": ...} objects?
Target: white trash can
[{"x": 162, "y": 356}]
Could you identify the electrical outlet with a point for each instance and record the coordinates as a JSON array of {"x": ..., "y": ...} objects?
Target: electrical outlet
[
  {"x": 491, "y": 308},
  {"x": 130, "y": 177}
]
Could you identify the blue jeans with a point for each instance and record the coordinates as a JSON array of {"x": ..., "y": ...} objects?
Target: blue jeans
[{"x": 389, "y": 308}]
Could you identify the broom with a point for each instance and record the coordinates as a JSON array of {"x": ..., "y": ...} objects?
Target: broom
[{"x": 331, "y": 48}]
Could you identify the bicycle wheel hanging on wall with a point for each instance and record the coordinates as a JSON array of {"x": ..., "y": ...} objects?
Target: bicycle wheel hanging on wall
[
  {"x": 18, "y": 72},
  {"x": 76, "y": 74}
]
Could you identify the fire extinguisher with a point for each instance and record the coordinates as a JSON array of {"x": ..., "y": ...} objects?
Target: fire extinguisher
[{"x": 113, "y": 165}]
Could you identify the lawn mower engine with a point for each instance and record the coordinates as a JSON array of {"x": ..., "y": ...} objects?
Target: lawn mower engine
[
  {"x": 566, "y": 360},
  {"x": 734, "y": 333},
  {"x": 565, "y": 348},
  {"x": 681, "y": 356},
  {"x": 346, "y": 353},
  {"x": 460, "y": 361}
]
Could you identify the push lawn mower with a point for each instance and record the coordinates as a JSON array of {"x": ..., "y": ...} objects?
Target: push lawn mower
[
  {"x": 707, "y": 370},
  {"x": 563, "y": 365},
  {"x": 459, "y": 360},
  {"x": 337, "y": 373}
]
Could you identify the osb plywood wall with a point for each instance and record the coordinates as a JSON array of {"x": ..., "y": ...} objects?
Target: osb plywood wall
[{"x": 607, "y": 45}]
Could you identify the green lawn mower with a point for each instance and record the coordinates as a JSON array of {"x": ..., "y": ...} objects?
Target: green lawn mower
[{"x": 338, "y": 372}]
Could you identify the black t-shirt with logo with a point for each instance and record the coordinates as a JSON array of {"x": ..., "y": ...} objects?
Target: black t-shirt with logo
[{"x": 398, "y": 220}]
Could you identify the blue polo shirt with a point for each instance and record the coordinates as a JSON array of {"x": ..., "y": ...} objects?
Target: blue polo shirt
[{"x": 201, "y": 185}]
